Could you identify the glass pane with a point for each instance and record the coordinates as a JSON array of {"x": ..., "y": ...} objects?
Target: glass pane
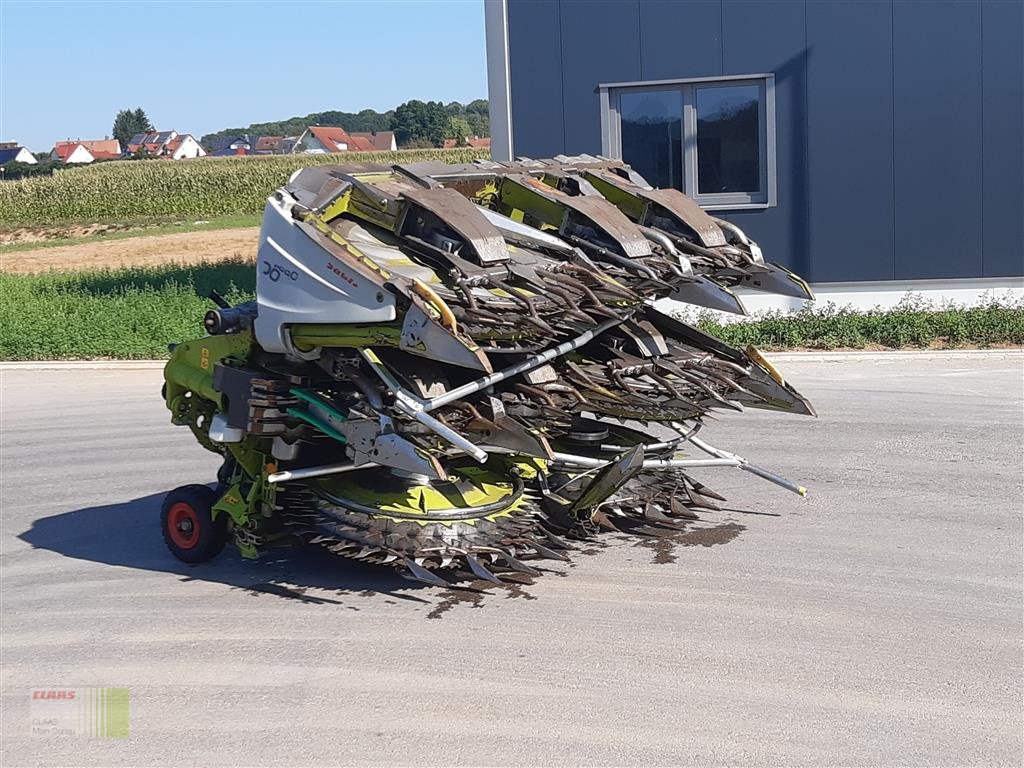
[
  {"x": 652, "y": 135},
  {"x": 728, "y": 147}
]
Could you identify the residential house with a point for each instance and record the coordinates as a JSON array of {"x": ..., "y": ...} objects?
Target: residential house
[
  {"x": 167, "y": 144},
  {"x": 71, "y": 153},
  {"x": 476, "y": 142},
  {"x": 239, "y": 144},
  {"x": 274, "y": 145},
  {"x": 11, "y": 152},
  {"x": 321, "y": 140},
  {"x": 268, "y": 145},
  {"x": 86, "y": 150},
  {"x": 382, "y": 141},
  {"x": 102, "y": 149},
  {"x": 184, "y": 147},
  {"x": 150, "y": 142},
  {"x": 324, "y": 139}
]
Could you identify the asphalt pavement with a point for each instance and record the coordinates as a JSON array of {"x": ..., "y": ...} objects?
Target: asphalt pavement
[{"x": 876, "y": 622}]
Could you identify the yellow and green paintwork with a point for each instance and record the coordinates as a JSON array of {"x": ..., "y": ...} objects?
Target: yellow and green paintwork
[
  {"x": 192, "y": 400},
  {"x": 482, "y": 485}
]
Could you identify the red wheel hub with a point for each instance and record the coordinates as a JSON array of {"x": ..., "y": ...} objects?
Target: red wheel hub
[{"x": 183, "y": 525}]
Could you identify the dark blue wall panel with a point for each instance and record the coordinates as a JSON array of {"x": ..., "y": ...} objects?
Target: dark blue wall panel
[
  {"x": 535, "y": 65},
  {"x": 600, "y": 44},
  {"x": 768, "y": 36},
  {"x": 680, "y": 40},
  {"x": 937, "y": 115},
  {"x": 898, "y": 124},
  {"x": 849, "y": 142},
  {"x": 1003, "y": 138}
]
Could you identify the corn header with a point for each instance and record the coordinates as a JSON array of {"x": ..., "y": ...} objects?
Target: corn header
[{"x": 453, "y": 369}]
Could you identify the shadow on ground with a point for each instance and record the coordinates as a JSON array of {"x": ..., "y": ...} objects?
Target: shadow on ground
[{"x": 127, "y": 534}]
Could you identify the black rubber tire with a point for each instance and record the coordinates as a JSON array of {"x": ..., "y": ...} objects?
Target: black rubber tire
[
  {"x": 224, "y": 472},
  {"x": 188, "y": 527}
]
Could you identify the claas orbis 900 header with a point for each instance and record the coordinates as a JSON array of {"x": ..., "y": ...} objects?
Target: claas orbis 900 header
[{"x": 453, "y": 369}]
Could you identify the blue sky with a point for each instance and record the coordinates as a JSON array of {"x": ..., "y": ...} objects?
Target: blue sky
[{"x": 66, "y": 68}]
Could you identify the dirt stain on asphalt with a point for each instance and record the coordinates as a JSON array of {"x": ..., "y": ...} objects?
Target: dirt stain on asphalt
[
  {"x": 665, "y": 543},
  {"x": 472, "y": 593}
]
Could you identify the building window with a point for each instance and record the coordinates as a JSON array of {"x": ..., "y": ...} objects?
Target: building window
[{"x": 713, "y": 139}]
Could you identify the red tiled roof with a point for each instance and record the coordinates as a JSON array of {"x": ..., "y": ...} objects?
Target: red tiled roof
[
  {"x": 381, "y": 140},
  {"x": 450, "y": 144},
  {"x": 268, "y": 142},
  {"x": 108, "y": 146},
  {"x": 63, "y": 149},
  {"x": 105, "y": 155},
  {"x": 331, "y": 137},
  {"x": 360, "y": 144},
  {"x": 479, "y": 143}
]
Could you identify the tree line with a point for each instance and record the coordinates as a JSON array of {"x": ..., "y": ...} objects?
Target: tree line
[{"x": 415, "y": 123}]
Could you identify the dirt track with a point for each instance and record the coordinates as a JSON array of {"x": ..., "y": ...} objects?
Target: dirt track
[{"x": 183, "y": 248}]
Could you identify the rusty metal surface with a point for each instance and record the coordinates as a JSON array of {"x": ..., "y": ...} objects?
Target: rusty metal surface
[
  {"x": 687, "y": 211},
  {"x": 461, "y": 215},
  {"x": 604, "y": 216}
]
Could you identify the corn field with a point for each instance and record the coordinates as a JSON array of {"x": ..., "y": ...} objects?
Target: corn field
[{"x": 220, "y": 186}]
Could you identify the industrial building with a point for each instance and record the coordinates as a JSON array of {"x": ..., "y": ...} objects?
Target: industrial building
[{"x": 873, "y": 146}]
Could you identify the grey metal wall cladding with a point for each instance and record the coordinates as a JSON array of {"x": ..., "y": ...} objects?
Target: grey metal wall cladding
[
  {"x": 1002, "y": 94},
  {"x": 898, "y": 124},
  {"x": 849, "y": 145},
  {"x": 600, "y": 41},
  {"x": 536, "y": 72},
  {"x": 671, "y": 42},
  {"x": 769, "y": 37},
  {"x": 937, "y": 139}
]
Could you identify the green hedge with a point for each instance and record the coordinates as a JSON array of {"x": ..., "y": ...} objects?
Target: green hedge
[
  {"x": 913, "y": 323},
  {"x": 217, "y": 186}
]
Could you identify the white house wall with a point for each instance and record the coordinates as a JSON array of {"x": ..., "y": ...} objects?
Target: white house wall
[
  {"x": 81, "y": 155},
  {"x": 24, "y": 156},
  {"x": 189, "y": 149}
]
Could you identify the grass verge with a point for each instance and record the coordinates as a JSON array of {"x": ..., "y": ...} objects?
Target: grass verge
[
  {"x": 132, "y": 313},
  {"x": 128, "y": 314}
]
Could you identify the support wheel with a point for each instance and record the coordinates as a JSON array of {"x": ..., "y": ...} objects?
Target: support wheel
[{"x": 189, "y": 529}]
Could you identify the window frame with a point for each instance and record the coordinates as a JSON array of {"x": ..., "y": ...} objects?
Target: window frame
[{"x": 611, "y": 134}]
